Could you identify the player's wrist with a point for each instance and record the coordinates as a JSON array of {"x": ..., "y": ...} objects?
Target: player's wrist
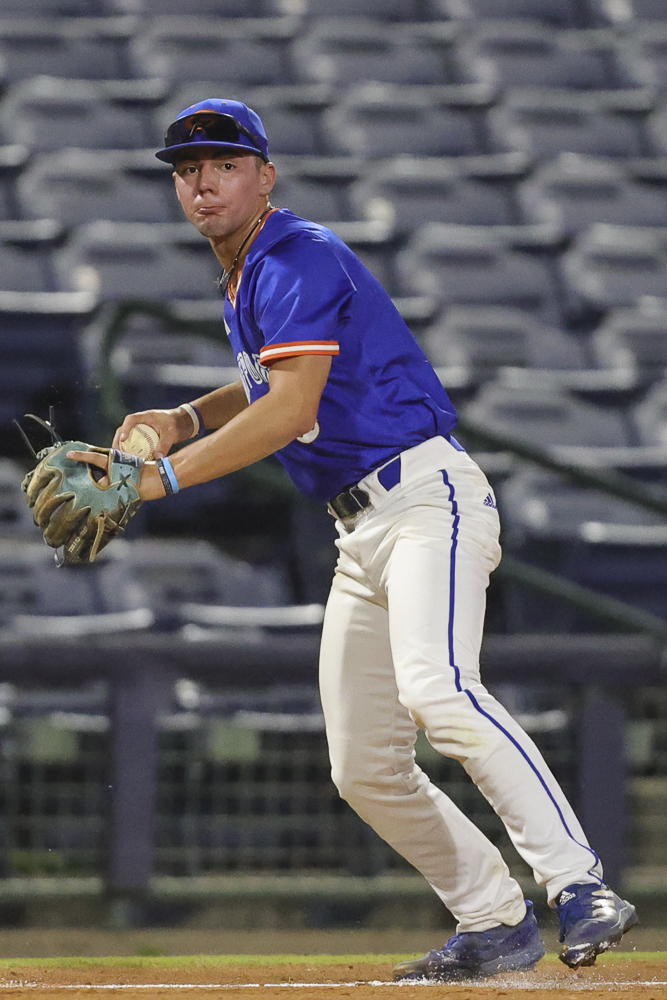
[
  {"x": 188, "y": 422},
  {"x": 150, "y": 483}
]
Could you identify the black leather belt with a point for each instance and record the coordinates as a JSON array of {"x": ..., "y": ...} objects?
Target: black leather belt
[{"x": 349, "y": 502}]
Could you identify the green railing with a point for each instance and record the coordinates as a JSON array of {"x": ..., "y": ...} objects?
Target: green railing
[{"x": 113, "y": 324}]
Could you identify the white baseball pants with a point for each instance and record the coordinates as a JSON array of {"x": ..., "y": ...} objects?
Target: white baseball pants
[{"x": 400, "y": 651}]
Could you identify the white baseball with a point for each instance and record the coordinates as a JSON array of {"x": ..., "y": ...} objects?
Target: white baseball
[{"x": 142, "y": 440}]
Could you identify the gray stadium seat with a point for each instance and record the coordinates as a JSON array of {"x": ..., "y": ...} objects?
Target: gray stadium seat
[
  {"x": 545, "y": 123},
  {"x": 482, "y": 339},
  {"x": 561, "y": 13},
  {"x": 464, "y": 265},
  {"x": 24, "y": 256},
  {"x": 631, "y": 10},
  {"x": 635, "y": 340},
  {"x": 80, "y": 185},
  {"x": 195, "y": 572},
  {"x": 541, "y": 505},
  {"x": 49, "y": 8},
  {"x": 81, "y": 48},
  {"x": 16, "y": 520},
  {"x": 308, "y": 198},
  {"x": 47, "y": 113},
  {"x": 546, "y": 417},
  {"x": 380, "y": 10},
  {"x": 341, "y": 52},
  {"x": 408, "y": 192},
  {"x": 596, "y": 540},
  {"x": 521, "y": 54},
  {"x": 657, "y": 129},
  {"x": 645, "y": 48},
  {"x": 191, "y": 48},
  {"x": 376, "y": 120},
  {"x": 120, "y": 260},
  {"x": 12, "y": 161},
  {"x": 574, "y": 192},
  {"x": 199, "y": 8},
  {"x": 650, "y": 416},
  {"x": 32, "y": 586},
  {"x": 615, "y": 266}
]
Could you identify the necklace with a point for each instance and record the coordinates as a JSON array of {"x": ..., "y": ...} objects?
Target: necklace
[{"x": 226, "y": 276}]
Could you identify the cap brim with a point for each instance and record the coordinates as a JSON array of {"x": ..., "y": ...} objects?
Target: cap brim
[{"x": 169, "y": 153}]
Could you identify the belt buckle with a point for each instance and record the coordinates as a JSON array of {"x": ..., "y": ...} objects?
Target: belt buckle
[{"x": 349, "y": 503}]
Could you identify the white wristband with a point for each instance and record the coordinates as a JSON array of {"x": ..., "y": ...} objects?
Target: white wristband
[{"x": 195, "y": 419}]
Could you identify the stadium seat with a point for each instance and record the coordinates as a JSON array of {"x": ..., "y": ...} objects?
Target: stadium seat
[
  {"x": 49, "y": 8},
  {"x": 630, "y": 11},
  {"x": 650, "y": 416},
  {"x": 47, "y": 113},
  {"x": 311, "y": 199},
  {"x": 520, "y": 54},
  {"x": 408, "y": 192},
  {"x": 291, "y": 116},
  {"x": 574, "y": 192},
  {"x": 198, "y": 8},
  {"x": 32, "y": 586},
  {"x": 117, "y": 260},
  {"x": 195, "y": 572},
  {"x": 376, "y": 120},
  {"x": 12, "y": 160},
  {"x": 545, "y": 123},
  {"x": 159, "y": 369},
  {"x": 16, "y": 520},
  {"x": 612, "y": 266},
  {"x": 379, "y": 10},
  {"x": 25, "y": 249},
  {"x": 482, "y": 339},
  {"x": 40, "y": 361},
  {"x": 598, "y": 541},
  {"x": 464, "y": 265},
  {"x": 342, "y": 52},
  {"x": 645, "y": 47},
  {"x": 192, "y": 48},
  {"x": 77, "y": 186},
  {"x": 546, "y": 417},
  {"x": 561, "y": 13},
  {"x": 83, "y": 49},
  {"x": 635, "y": 340},
  {"x": 657, "y": 128}
]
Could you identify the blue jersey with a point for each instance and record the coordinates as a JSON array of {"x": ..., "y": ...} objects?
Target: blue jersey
[{"x": 303, "y": 291}]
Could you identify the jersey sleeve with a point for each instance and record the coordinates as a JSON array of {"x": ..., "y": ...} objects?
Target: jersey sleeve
[{"x": 301, "y": 299}]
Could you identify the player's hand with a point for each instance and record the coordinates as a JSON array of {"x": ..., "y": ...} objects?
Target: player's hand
[
  {"x": 172, "y": 426},
  {"x": 150, "y": 484},
  {"x": 93, "y": 458}
]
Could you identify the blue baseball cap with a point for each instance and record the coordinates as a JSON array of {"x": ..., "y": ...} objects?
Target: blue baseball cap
[{"x": 217, "y": 124}]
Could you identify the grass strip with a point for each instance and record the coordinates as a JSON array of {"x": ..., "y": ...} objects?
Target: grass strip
[{"x": 177, "y": 961}]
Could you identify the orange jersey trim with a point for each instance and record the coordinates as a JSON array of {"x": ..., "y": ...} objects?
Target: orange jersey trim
[{"x": 275, "y": 352}]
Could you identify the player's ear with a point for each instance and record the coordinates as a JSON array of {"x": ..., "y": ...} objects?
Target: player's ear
[{"x": 267, "y": 178}]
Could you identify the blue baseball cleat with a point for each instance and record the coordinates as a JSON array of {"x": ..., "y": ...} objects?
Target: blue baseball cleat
[
  {"x": 592, "y": 918},
  {"x": 478, "y": 954}
]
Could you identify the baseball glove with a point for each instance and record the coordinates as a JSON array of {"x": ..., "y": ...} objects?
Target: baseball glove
[{"x": 76, "y": 514}]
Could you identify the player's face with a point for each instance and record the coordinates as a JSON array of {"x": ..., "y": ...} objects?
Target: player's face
[{"x": 220, "y": 194}]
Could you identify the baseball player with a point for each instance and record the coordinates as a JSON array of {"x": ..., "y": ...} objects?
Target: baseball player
[{"x": 332, "y": 382}]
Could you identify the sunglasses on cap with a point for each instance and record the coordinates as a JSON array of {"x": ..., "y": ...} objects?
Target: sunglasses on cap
[{"x": 209, "y": 126}]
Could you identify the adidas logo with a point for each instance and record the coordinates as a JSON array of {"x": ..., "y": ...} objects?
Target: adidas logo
[
  {"x": 565, "y": 897},
  {"x": 489, "y": 501}
]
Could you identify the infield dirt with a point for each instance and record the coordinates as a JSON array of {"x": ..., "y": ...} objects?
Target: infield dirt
[{"x": 614, "y": 976}]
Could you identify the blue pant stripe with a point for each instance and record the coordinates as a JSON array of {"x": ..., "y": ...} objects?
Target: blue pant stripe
[
  {"x": 452, "y": 579},
  {"x": 473, "y": 700}
]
